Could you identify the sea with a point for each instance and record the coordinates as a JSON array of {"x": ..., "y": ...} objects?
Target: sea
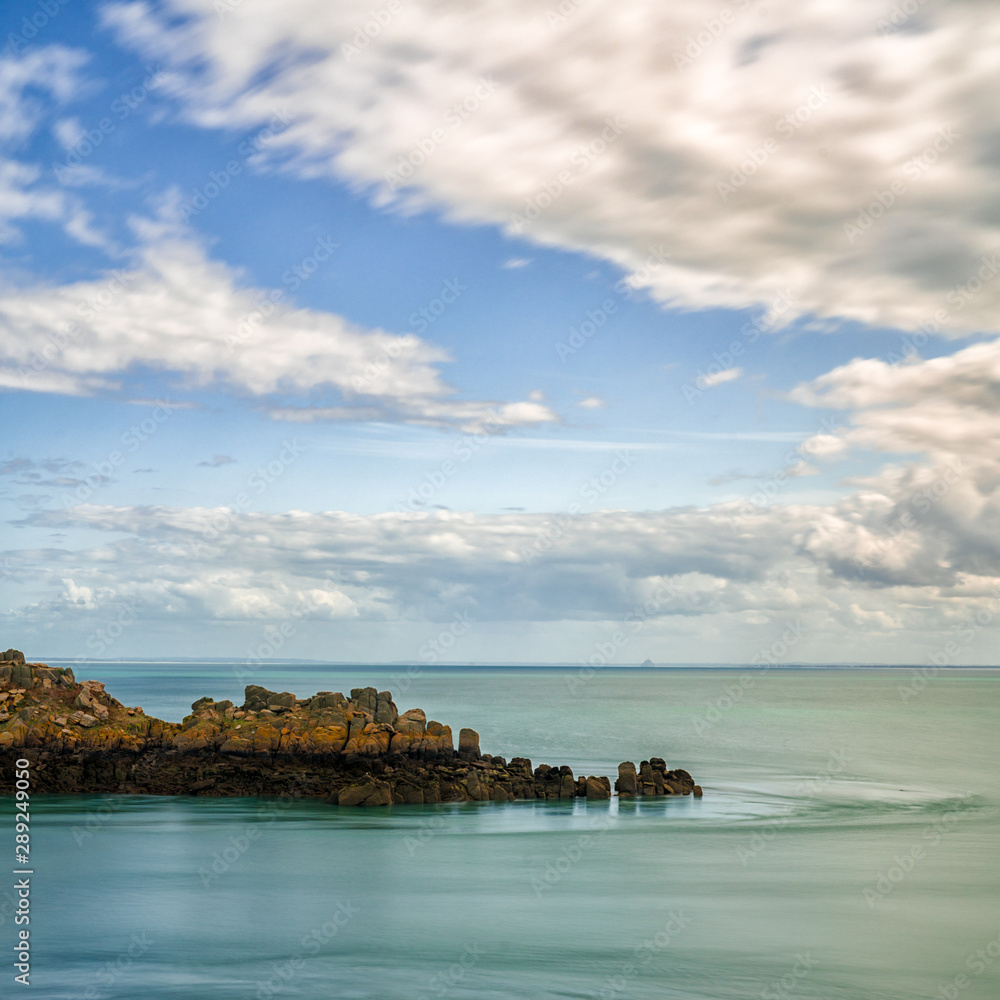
[{"x": 847, "y": 846}]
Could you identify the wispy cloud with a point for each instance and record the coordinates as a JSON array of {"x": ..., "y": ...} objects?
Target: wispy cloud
[
  {"x": 180, "y": 312},
  {"x": 845, "y": 164},
  {"x": 718, "y": 378}
]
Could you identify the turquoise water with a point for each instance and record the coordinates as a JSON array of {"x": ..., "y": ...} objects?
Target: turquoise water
[{"x": 848, "y": 846}]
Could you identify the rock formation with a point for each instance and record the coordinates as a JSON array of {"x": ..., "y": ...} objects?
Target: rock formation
[{"x": 357, "y": 750}]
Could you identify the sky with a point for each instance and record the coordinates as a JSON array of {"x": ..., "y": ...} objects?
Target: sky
[{"x": 500, "y": 332}]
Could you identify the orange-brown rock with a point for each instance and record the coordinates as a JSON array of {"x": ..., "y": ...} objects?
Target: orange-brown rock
[{"x": 350, "y": 751}]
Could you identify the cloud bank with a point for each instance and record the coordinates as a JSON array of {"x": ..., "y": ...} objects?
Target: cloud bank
[{"x": 844, "y": 157}]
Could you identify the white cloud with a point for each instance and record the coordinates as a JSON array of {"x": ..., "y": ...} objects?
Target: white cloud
[
  {"x": 718, "y": 378},
  {"x": 842, "y": 571},
  {"x": 941, "y": 407},
  {"x": 53, "y": 69},
  {"x": 734, "y": 166},
  {"x": 68, "y": 131},
  {"x": 56, "y": 72},
  {"x": 592, "y": 403},
  {"x": 180, "y": 312}
]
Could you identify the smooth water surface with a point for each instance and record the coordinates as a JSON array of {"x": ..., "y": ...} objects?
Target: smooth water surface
[{"x": 848, "y": 846}]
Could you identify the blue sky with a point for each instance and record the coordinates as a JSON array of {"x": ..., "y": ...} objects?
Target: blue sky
[{"x": 685, "y": 370}]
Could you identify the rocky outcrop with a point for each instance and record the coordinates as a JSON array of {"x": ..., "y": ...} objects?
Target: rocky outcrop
[
  {"x": 351, "y": 751},
  {"x": 653, "y": 778}
]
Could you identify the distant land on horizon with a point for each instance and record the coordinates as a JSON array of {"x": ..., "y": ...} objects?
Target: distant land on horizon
[{"x": 526, "y": 665}]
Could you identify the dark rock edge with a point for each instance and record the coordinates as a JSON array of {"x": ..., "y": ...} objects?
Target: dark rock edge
[{"x": 357, "y": 751}]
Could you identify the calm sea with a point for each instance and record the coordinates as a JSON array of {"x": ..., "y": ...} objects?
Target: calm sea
[{"x": 848, "y": 846}]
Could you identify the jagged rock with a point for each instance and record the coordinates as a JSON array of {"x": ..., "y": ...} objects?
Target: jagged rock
[
  {"x": 598, "y": 787},
  {"x": 237, "y": 745},
  {"x": 474, "y": 786},
  {"x": 413, "y": 721},
  {"x": 385, "y": 709},
  {"x": 365, "y": 698},
  {"x": 326, "y": 699},
  {"x": 626, "y": 783},
  {"x": 366, "y": 793},
  {"x": 437, "y": 740},
  {"x": 371, "y": 740},
  {"x": 468, "y": 742},
  {"x": 82, "y": 719},
  {"x": 255, "y": 698},
  {"x": 327, "y": 745},
  {"x": 12, "y": 656},
  {"x": 406, "y": 795}
]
